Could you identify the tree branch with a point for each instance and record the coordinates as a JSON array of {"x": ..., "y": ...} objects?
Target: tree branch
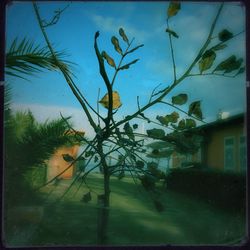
[
  {"x": 175, "y": 83},
  {"x": 65, "y": 74}
]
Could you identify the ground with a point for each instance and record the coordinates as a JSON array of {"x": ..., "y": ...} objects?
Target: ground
[{"x": 133, "y": 218}]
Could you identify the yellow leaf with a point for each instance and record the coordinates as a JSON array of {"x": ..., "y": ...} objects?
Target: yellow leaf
[
  {"x": 173, "y": 8},
  {"x": 116, "y": 100}
]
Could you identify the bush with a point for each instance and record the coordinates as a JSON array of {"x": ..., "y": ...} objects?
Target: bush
[{"x": 221, "y": 189}]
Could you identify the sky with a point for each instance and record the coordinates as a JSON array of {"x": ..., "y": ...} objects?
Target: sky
[{"x": 46, "y": 94}]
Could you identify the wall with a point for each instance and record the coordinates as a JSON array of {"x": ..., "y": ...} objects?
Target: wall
[
  {"x": 214, "y": 155},
  {"x": 57, "y": 164}
]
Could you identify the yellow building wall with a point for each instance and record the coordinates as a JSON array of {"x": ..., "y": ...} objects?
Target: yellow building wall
[
  {"x": 215, "y": 149},
  {"x": 213, "y": 154}
]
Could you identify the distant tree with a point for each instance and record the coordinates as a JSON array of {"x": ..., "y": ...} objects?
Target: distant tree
[{"x": 120, "y": 139}]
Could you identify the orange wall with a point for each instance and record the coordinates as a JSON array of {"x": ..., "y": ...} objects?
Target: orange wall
[{"x": 57, "y": 164}]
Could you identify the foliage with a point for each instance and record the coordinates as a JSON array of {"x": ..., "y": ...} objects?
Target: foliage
[
  {"x": 211, "y": 185},
  {"x": 27, "y": 145}
]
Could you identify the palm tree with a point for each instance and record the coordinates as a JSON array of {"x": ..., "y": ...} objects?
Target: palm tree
[
  {"x": 28, "y": 144},
  {"x": 27, "y": 58}
]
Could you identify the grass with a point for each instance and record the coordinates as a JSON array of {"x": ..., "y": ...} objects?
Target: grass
[{"x": 133, "y": 218}]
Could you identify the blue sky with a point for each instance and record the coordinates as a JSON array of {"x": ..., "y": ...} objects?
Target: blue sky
[{"x": 47, "y": 94}]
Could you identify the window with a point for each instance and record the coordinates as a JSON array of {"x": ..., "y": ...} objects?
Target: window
[
  {"x": 229, "y": 157},
  {"x": 243, "y": 153}
]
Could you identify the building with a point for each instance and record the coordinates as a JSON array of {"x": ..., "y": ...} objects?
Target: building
[
  {"x": 223, "y": 146},
  {"x": 57, "y": 164}
]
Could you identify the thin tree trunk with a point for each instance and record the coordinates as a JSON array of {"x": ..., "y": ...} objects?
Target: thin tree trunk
[
  {"x": 103, "y": 203},
  {"x": 103, "y": 213}
]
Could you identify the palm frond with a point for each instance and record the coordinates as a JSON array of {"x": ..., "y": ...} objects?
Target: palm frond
[
  {"x": 43, "y": 139},
  {"x": 26, "y": 58},
  {"x": 7, "y": 102}
]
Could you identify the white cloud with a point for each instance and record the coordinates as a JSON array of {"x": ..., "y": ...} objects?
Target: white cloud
[
  {"x": 110, "y": 24},
  {"x": 43, "y": 113}
]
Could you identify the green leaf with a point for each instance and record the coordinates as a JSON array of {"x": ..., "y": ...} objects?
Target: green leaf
[
  {"x": 135, "y": 48},
  {"x": 182, "y": 124},
  {"x": 156, "y": 133},
  {"x": 226, "y": 63},
  {"x": 173, "y": 117},
  {"x": 67, "y": 157},
  {"x": 241, "y": 70},
  {"x": 159, "y": 145},
  {"x": 135, "y": 126},
  {"x": 123, "y": 35},
  {"x": 109, "y": 60},
  {"x": 173, "y": 9},
  {"x": 163, "y": 120},
  {"x": 129, "y": 131},
  {"x": 207, "y": 60},
  {"x": 229, "y": 65},
  {"x": 180, "y": 99},
  {"x": 219, "y": 47},
  {"x": 86, "y": 197},
  {"x": 171, "y": 32},
  {"x": 225, "y": 35},
  {"x": 139, "y": 164},
  {"x": 115, "y": 42},
  {"x": 190, "y": 123},
  {"x": 195, "y": 109},
  {"x": 126, "y": 66}
]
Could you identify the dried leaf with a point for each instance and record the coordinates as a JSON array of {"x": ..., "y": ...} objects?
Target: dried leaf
[
  {"x": 156, "y": 133},
  {"x": 173, "y": 8},
  {"x": 229, "y": 65},
  {"x": 116, "y": 100},
  {"x": 67, "y": 157},
  {"x": 126, "y": 66},
  {"x": 207, "y": 60},
  {"x": 109, "y": 60},
  {"x": 173, "y": 117},
  {"x": 129, "y": 131},
  {"x": 190, "y": 123},
  {"x": 219, "y": 47},
  {"x": 225, "y": 35},
  {"x": 115, "y": 42},
  {"x": 137, "y": 47},
  {"x": 86, "y": 197},
  {"x": 195, "y": 109},
  {"x": 182, "y": 124},
  {"x": 171, "y": 32},
  {"x": 123, "y": 35}
]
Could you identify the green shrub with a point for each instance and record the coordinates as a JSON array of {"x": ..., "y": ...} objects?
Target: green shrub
[{"x": 221, "y": 189}]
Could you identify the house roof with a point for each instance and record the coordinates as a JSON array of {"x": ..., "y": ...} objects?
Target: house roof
[{"x": 239, "y": 118}]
